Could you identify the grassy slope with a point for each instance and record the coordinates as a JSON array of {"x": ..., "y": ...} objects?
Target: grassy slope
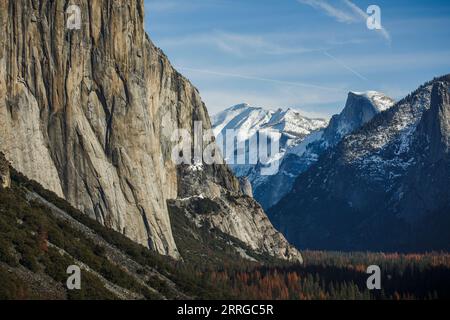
[{"x": 37, "y": 245}]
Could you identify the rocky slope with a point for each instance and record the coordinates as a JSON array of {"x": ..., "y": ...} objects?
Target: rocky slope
[
  {"x": 384, "y": 187},
  {"x": 5, "y": 179},
  {"x": 248, "y": 122},
  {"x": 41, "y": 235},
  {"x": 90, "y": 114},
  {"x": 359, "y": 109}
]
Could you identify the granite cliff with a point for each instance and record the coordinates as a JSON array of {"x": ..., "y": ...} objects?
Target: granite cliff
[{"x": 89, "y": 113}]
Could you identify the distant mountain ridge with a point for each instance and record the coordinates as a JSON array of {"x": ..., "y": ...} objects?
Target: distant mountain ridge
[
  {"x": 360, "y": 108},
  {"x": 304, "y": 139},
  {"x": 247, "y": 121},
  {"x": 383, "y": 187}
]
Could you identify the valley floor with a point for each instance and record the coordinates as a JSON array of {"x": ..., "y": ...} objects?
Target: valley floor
[
  {"x": 40, "y": 235},
  {"x": 343, "y": 276}
]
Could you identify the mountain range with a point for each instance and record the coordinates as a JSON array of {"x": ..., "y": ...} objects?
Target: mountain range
[
  {"x": 248, "y": 122},
  {"x": 304, "y": 139},
  {"x": 383, "y": 186},
  {"x": 87, "y": 176}
]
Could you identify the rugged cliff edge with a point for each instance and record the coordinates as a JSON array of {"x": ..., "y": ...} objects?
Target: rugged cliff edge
[
  {"x": 359, "y": 109},
  {"x": 90, "y": 113},
  {"x": 384, "y": 187},
  {"x": 5, "y": 179}
]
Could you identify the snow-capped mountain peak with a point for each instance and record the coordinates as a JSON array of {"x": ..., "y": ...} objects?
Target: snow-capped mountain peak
[
  {"x": 243, "y": 117},
  {"x": 360, "y": 108},
  {"x": 380, "y": 101},
  {"x": 247, "y": 121},
  {"x": 386, "y": 182}
]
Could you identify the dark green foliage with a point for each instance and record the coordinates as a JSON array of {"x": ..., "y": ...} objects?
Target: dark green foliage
[
  {"x": 12, "y": 288},
  {"x": 92, "y": 289},
  {"x": 6, "y": 253},
  {"x": 62, "y": 235},
  {"x": 204, "y": 206},
  {"x": 341, "y": 276},
  {"x": 26, "y": 228},
  {"x": 211, "y": 269}
]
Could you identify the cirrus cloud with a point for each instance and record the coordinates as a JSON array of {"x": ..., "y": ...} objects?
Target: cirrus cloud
[{"x": 353, "y": 14}]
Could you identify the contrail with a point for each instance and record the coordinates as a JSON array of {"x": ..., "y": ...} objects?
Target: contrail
[
  {"x": 346, "y": 66},
  {"x": 241, "y": 76},
  {"x": 364, "y": 17}
]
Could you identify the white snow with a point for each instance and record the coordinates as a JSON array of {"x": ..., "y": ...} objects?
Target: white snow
[
  {"x": 384, "y": 152},
  {"x": 247, "y": 121},
  {"x": 301, "y": 148},
  {"x": 378, "y": 99},
  {"x": 196, "y": 167}
]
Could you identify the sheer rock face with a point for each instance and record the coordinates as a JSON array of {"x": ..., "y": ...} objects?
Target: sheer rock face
[
  {"x": 90, "y": 113},
  {"x": 384, "y": 187},
  {"x": 246, "y": 186},
  {"x": 360, "y": 108},
  {"x": 211, "y": 195},
  {"x": 80, "y": 111}
]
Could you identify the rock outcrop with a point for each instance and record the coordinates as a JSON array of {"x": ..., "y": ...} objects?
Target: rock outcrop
[
  {"x": 209, "y": 197},
  {"x": 359, "y": 109},
  {"x": 5, "y": 179},
  {"x": 248, "y": 123},
  {"x": 90, "y": 113},
  {"x": 246, "y": 186},
  {"x": 384, "y": 187}
]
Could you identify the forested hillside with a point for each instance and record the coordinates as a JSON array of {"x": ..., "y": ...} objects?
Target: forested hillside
[{"x": 40, "y": 235}]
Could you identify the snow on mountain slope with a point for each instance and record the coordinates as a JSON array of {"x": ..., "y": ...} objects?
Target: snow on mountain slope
[
  {"x": 247, "y": 121},
  {"x": 302, "y": 141},
  {"x": 386, "y": 182},
  {"x": 378, "y": 99},
  {"x": 360, "y": 108},
  {"x": 96, "y": 126},
  {"x": 291, "y": 122},
  {"x": 241, "y": 117}
]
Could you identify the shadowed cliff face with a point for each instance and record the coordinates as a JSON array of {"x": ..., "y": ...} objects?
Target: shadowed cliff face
[
  {"x": 90, "y": 113},
  {"x": 360, "y": 108},
  {"x": 384, "y": 187},
  {"x": 5, "y": 179}
]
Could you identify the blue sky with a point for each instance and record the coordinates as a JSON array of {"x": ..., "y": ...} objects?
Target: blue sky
[{"x": 306, "y": 54}]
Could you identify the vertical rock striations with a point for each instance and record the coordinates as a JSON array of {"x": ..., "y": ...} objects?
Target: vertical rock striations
[
  {"x": 90, "y": 113},
  {"x": 79, "y": 111}
]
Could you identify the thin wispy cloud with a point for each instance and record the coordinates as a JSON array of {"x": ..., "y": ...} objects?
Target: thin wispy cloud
[
  {"x": 248, "y": 77},
  {"x": 319, "y": 67},
  {"x": 312, "y": 103},
  {"x": 238, "y": 44},
  {"x": 332, "y": 11},
  {"x": 364, "y": 16},
  {"x": 354, "y": 15},
  {"x": 282, "y": 53},
  {"x": 171, "y": 6},
  {"x": 359, "y": 75},
  {"x": 242, "y": 43}
]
